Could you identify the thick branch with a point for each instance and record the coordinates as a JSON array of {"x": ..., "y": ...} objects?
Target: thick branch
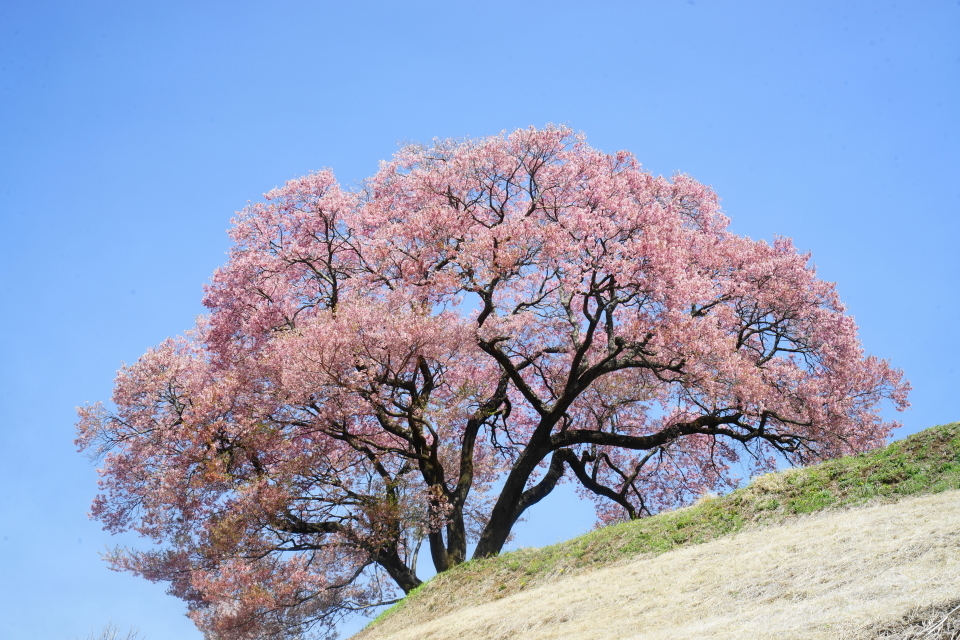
[
  {"x": 291, "y": 523},
  {"x": 705, "y": 424},
  {"x": 580, "y": 471},
  {"x": 542, "y": 489}
]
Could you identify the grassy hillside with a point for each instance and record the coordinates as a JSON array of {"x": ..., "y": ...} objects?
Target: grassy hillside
[{"x": 925, "y": 463}]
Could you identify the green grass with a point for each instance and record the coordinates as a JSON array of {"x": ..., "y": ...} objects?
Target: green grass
[
  {"x": 411, "y": 597},
  {"x": 925, "y": 463}
]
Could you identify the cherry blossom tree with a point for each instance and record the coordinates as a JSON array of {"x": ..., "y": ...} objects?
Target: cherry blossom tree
[{"x": 415, "y": 363}]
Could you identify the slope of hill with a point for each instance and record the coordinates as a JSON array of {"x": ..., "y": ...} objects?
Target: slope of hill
[{"x": 864, "y": 546}]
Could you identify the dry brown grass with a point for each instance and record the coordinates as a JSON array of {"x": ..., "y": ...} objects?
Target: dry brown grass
[
  {"x": 873, "y": 572},
  {"x": 925, "y": 463},
  {"x": 936, "y": 622}
]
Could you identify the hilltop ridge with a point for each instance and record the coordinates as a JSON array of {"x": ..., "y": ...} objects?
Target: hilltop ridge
[{"x": 887, "y": 491}]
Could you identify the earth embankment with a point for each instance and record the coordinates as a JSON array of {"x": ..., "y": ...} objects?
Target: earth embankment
[{"x": 841, "y": 574}]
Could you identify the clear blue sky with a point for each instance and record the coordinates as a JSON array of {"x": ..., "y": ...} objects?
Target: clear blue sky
[{"x": 131, "y": 131}]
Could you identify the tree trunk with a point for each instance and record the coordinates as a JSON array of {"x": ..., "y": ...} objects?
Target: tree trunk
[
  {"x": 405, "y": 577},
  {"x": 505, "y": 511}
]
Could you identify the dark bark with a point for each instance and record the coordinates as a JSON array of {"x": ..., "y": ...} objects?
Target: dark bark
[
  {"x": 505, "y": 511},
  {"x": 293, "y": 524},
  {"x": 580, "y": 471},
  {"x": 542, "y": 489},
  {"x": 513, "y": 499},
  {"x": 456, "y": 537},
  {"x": 438, "y": 551},
  {"x": 387, "y": 557},
  {"x": 404, "y": 576}
]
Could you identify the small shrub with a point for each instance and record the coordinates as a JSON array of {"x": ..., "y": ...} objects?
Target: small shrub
[{"x": 113, "y": 632}]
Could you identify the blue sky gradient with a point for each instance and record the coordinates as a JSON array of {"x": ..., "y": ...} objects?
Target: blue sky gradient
[{"x": 131, "y": 132}]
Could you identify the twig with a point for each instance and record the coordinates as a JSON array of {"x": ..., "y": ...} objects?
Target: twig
[{"x": 939, "y": 624}]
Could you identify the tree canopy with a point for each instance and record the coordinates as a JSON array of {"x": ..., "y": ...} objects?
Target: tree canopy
[{"x": 415, "y": 362}]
